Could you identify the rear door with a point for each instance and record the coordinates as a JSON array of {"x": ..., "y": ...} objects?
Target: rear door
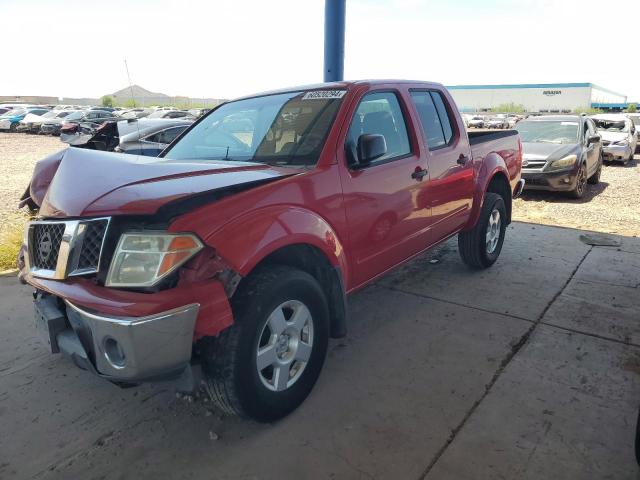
[
  {"x": 450, "y": 186},
  {"x": 387, "y": 216}
]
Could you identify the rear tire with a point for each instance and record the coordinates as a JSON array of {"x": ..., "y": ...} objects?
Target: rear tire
[
  {"x": 480, "y": 248},
  {"x": 595, "y": 178},
  {"x": 268, "y": 308}
]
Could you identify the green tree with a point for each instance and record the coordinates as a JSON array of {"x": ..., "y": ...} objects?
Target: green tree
[
  {"x": 130, "y": 103},
  {"x": 509, "y": 108},
  {"x": 588, "y": 111},
  {"x": 632, "y": 108},
  {"x": 107, "y": 101}
]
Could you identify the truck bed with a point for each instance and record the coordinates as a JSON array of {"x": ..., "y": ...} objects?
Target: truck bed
[{"x": 488, "y": 135}]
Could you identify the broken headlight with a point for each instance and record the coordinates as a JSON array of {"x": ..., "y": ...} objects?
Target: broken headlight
[{"x": 143, "y": 259}]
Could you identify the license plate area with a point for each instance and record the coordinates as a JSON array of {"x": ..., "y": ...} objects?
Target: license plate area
[{"x": 49, "y": 321}]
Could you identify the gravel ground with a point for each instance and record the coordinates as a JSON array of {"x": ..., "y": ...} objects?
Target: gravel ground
[
  {"x": 613, "y": 206},
  {"x": 18, "y": 154}
]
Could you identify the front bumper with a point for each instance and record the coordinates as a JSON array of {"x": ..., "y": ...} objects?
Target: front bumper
[
  {"x": 555, "y": 181},
  {"x": 616, "y": 152},
  {"x": 121, "y": 349},
  {"x": 5, "y": 124}
]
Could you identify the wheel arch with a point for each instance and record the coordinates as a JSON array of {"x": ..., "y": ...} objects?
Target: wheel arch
[
  {"x": 313, "y": 261},
  {"x": 500, "y": 184},
  {"x": 493, "y": 177},
  {"x": 290, "y": 236}
]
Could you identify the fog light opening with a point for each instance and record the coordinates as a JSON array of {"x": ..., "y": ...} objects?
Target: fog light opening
[{"x": 114, "y": 353}]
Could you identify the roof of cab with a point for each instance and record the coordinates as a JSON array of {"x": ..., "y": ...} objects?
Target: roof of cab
[{"x": 342, "y": 85}]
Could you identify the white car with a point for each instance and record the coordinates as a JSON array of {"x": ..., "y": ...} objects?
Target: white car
[
  {"x": 497, "y": 122},
  {"x": 476, "y": 122},
  {"x": 618, "y": 134}
]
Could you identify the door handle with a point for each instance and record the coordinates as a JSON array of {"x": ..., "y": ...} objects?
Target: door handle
[
  {"x": 462, "y": 159},
  {"x": 419, "y": 173}
]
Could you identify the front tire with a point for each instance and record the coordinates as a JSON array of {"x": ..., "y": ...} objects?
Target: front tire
[
  {"x": 480, "y": 248},
  {"x": 267, "y": 362},
  {"x": 581, "y": 183},
  {"x": 595, "y": 178}
]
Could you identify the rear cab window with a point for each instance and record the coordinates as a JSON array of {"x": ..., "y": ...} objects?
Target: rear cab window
[
  {"x": 437, "y": 124},
  {"x": 379, "y": 113}
]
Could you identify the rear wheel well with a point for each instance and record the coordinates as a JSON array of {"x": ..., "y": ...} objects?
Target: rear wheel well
[
  {"x": 500, "y": 185},
  {"x": 313, "y": 261}
]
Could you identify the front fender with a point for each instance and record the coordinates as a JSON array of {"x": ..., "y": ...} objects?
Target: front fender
[
  {"x": 246, "y": 240},
  {"x": 491, "y": 165}
]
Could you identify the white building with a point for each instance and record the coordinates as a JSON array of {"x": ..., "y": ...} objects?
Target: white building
[{"x": 537, "y": 97}]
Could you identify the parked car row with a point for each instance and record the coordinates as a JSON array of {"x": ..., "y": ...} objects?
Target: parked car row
[
  {"x": 49, "y": 120},
  {"x": 499, "y": 121}
]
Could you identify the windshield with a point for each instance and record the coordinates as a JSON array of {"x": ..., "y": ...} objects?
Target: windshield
[
  {"x": 158, "y": 114},
  {"x": 548, "y": 131},
  {"x": 15, "y": 112},
  {"x": 75, "y": 116},
  {"x": 283, "y": 129},
  {"x": 50, "y": 114},
  {"x": 611, "y": 126}
]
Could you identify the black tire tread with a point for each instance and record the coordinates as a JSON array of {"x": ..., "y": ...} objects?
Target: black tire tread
[
  {"x": 469, "y": 243},
  {"x": 220, "y": 357}
]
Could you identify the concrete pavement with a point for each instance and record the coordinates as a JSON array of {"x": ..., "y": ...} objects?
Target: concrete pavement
[{"x": 527, "y": 370}]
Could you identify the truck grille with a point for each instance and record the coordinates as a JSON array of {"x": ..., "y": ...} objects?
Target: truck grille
[
  {"x": 47, "y": 238},
  {"x": 58, "y": 249},
  {"x": 92, "y": 244},
  {"x": 534, "y": 164}
]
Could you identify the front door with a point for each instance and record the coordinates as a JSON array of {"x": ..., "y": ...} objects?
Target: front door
[{"x": 387, "y": 215}]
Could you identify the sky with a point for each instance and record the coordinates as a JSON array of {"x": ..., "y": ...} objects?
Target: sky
[{"x": 225, "y": 49}]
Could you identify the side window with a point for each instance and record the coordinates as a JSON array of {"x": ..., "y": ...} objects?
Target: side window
[
  {"x": 155, "y": 138},
  {"x": 445, "y": 120},
  {"x": 429, "y": 119},
  {"x": 380, "y": 113},
  {"x": 170, "y": 134},
  {"x": 434, "y": 117}
]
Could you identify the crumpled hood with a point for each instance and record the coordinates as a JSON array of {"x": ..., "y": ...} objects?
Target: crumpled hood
[
  {"x": 546, "y": 151},
  {"x": 613, "y": 136},
  {"x": 94, "y": 183}
]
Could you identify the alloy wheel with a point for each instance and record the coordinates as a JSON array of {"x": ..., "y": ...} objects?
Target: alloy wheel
[
  {"x": 493, "y": 231},
  {"x": 285, "y": 345}
]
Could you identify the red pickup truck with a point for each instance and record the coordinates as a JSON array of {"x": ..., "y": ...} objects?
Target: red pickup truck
[{"x": 235, "y": 249}]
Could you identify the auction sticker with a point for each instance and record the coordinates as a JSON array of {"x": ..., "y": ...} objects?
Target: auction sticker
[{"x": 324, "y": 94}]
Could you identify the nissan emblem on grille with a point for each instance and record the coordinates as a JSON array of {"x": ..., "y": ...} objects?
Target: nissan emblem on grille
[{"x": 45, "y": 246}]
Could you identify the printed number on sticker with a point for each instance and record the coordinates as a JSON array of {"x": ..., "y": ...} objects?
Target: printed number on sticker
[{"x": 324, "y": 94}]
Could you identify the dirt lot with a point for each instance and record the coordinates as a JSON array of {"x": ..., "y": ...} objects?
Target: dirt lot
[
  {"x": 612, "y": 206},
  {"x": 18, "y": 155}
]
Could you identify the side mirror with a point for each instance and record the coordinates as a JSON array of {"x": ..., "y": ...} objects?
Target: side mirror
[
  {"x": 370, "y": 148},
  {"x": 593, "y": 139}
]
